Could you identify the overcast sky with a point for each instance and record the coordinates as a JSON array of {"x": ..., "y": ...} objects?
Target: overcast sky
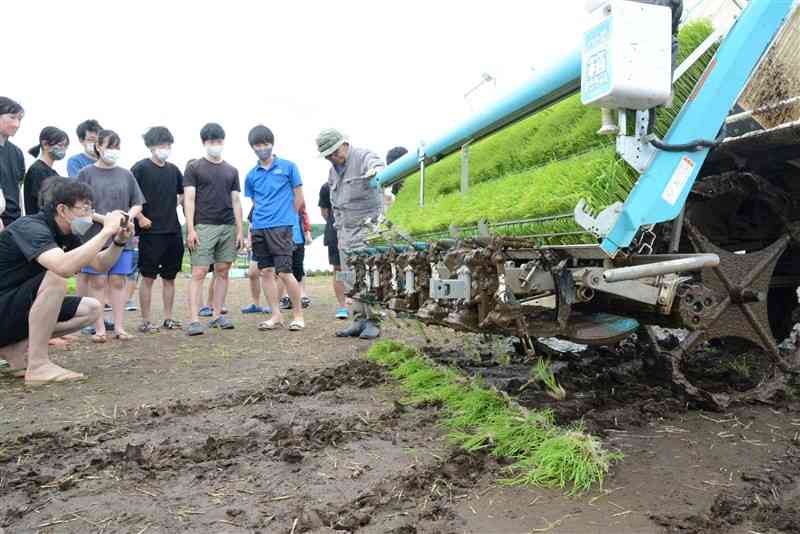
[{"x": 385, "y": 73}]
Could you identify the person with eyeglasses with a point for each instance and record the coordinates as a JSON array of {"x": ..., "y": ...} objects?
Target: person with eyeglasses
[
  {"x": 38, "y": 253},
  {"x": 52, "y": 147},
  {"x": 354, "y": 201},
  {"x": 114, "y": 189}
]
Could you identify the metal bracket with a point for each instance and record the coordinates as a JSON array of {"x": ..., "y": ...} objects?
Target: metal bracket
[
  {"x": 634, "y": 290},
  {"x": 411, "y": 280},
  {"x": 636, "y": 149},
  {"x": 457, "y": 289},
  {"x": 600, "y": 225}
]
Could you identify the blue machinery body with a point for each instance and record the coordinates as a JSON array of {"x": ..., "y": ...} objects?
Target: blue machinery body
[{"x": 662, "y": 189}]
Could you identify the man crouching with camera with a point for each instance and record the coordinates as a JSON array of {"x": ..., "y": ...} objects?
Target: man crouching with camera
[{"x": 38, "y": 253}]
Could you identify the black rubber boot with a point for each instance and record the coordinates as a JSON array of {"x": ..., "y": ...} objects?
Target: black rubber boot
[
  {"x": 354, "y": 330},
  {"x": 371, "y": 330}
]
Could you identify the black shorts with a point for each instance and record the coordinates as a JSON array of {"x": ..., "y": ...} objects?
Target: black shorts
[
  {"x": 16, "y": 304},
  {"x": 333, "y": 257},
  {"x": 298, "y": 257},
  {"x": 160, "y": 255},
  {"x": 273, "y": 247}
]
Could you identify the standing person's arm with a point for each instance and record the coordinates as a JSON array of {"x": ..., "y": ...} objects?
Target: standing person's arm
[
  {"x": 189, "y": 196},
  {"x": 136, "y": 200},
  {"x": 144, "y": 222},
  {"x": 297, "y": 189},
  {"x": 188, "y": 211},
  {"x": 237, "y": 216},
  {"x": 236, "y": 202},
  {"x": 304, "y": 218},
  {"x": 179, "y": 192}
]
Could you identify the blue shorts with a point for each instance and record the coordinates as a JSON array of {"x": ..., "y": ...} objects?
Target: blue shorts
[
  {"x": 123, "y": 267},
  {"x": 134, "y": 274}
]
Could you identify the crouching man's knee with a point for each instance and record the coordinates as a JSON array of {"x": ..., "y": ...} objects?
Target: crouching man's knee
[{"x": 54, "y": 283}]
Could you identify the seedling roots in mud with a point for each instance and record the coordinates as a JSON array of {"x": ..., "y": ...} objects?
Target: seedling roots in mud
[{"x": 478, "y": 418}]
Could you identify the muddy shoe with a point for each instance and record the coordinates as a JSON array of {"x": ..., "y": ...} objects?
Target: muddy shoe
[
  {"x": 171, "y": 324},
  {"x": 195, "y": 329},
  {"x": 305, "y": 302},
  {"x": 205, "y": 311},
  {"x": 221, "y": 322},
  {"x": 286, "y": 303},
  {"x": 370, "y": 331},
  {"x": 354, "y": 330}
]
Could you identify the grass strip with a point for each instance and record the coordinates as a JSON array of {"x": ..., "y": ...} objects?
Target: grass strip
[{"x": 479, "y": 418}]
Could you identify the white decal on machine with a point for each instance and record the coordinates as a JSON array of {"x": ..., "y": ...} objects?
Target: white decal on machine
[{"x": 678, "y": 180}]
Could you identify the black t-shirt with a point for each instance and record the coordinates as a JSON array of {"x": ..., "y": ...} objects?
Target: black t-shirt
[
  {"x": 23, "y": 241},
  {"x": 330, "y": 239},
  {"x": 213, "y": 183},
  {"x": 160, "y": 186},
  {"x": 34, "y": 178},
  {"x": 12, "y": 171}
]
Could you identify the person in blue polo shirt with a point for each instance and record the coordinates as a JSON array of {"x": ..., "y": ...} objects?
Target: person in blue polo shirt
[{"x": 275, "y": 187}]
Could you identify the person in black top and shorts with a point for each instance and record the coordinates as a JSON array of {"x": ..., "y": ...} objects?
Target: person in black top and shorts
[
  {"x": 38, "y": 253},
  {"x": 160, "y": 240}
]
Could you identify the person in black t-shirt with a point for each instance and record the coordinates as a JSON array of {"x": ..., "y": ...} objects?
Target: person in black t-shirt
[
  {"x": 160, "y": 240},
  {"x": 12, "y": 162},
  {"x": 37, "y": 255},
  {"x": 52, "y": 147},
  {"x": 330, "y": 240}
]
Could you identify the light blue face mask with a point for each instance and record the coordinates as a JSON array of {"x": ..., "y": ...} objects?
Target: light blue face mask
[{"x": 81, "y": 225}]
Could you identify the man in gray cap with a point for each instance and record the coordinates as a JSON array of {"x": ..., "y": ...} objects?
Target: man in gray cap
[{"x": 353, "y": 201}]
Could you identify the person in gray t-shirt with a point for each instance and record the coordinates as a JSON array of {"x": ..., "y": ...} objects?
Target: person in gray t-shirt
[{"x": 113, "y": 188}]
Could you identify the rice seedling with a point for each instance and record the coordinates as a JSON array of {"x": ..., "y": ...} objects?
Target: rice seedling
[
  {"x": 543, "y": 372},
  {"x": 481, "y": 419},
  {"x": 536, "y": 168}
]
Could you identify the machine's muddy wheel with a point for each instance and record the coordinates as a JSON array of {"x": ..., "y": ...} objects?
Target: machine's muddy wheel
[{"x": 733, "y": 352}]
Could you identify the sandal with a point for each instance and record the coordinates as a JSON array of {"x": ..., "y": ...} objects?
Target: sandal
[
  {"x": 172, "y": 324},
  {"x": 124, "y": 336},
  {"x": 148, "y": 328},
  {"x": 66, "y": 376},
  {"x": 297, "y": 324},
  {"x": 99, "y": 338},
  {"x": 269, "y": 324}
]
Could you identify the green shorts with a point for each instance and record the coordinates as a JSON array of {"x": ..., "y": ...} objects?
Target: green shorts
[{"x": 217, "y": 244}]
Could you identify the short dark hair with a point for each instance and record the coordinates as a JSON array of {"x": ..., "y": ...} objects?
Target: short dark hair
[
  {"x": 59, "y": 190},
  {"x": 50, "y": 135},
  {"x": 260, "y": 135},
  {"x": 158, "y": 135},
  {"x": 87, "y": 126},
  {"x": 395, "y": 153},
  {"x": 110, "y": 138},
  {"x": 8, "y": 106},
  {"x": 212, "y": 132}
]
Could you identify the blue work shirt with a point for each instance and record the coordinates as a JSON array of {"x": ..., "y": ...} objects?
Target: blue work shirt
[
  {"x": 77, "y": 162},
  {"x": 272, "y": 191}
]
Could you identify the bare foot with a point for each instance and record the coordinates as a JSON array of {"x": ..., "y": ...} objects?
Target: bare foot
[
  {"x": 51, "y": 373},
  {"x": 58, "y": 342},
  {"x": 16, "y": 356},
  {"x": 71, "y": 337}
]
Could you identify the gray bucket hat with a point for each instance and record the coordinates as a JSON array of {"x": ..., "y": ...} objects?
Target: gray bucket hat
[{"x": 329, "y": 140}]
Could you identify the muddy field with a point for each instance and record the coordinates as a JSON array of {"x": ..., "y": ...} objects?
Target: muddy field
[{"x": 244, "y": 431}]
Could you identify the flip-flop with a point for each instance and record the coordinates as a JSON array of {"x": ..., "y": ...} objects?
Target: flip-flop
[
  {"x": 297, "y": 324},
  {"x": 99, "y": 338},
  {"x": 66, "y": 376}
]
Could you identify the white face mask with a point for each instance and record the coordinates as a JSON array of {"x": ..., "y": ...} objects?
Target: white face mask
[
  {"x": 214, "y": 151},
  {"x": 110, "y": 156},
  {"x": 162, "y": 154},
  {"x": 81, "y": 225}
]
